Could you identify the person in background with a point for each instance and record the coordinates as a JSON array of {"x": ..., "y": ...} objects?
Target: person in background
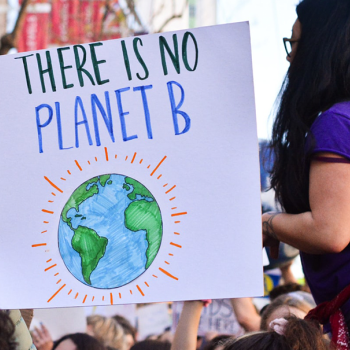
[
  {"x": 129, "y": 330},
  {"x": 285, "y": 289},
  {"x": 42, "y": 338},
  {"x": 283, "y": 306},
  {"x": 285, "y": 334},
  {"x": 22, "y": 335},
  {"x": 186, "y": 331},
  {"x": 283, "y": 309},
  {"x": 108, "y": 331},
  {"x": 151, "y": 345},
  {"x": 218, "y": 342},
  {"x": 246, "y": 313},
  {"x": 78, "y": 341},
  {"x": 166, "y": 336},
  {"x": 7, "y": 331}
]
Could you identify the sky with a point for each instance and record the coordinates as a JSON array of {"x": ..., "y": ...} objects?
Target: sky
[
  {"x": 270, "y": 21},
  {"x": 12, "y": 14}
]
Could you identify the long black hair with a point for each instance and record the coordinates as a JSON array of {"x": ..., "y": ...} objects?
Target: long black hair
[
  {"x": 151, "y": 345},
  {"x": 7, "y": 331},
  {"x": 318, "y": 78},
  {"x": 298, "y": 334},
  {"x": 82, "y": 341}
]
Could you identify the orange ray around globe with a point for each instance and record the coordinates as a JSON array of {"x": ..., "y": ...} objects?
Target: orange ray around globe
[{"x": 56, "y": 293}]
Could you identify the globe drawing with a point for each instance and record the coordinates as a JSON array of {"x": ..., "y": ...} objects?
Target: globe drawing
[{"x": 110, "y": 231}]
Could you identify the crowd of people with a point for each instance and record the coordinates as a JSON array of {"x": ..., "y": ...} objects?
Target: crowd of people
[{"x": 280, "y": 324}]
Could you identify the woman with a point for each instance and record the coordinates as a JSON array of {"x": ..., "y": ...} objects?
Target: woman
[
  {"x": 151, "y": 345},
  {"x": 285, "y": 334},
  {"x": 311, "y": 141},
  {"x": 107, "y": 331},
  {"x": 7, "y": 332},
  {"x": 78, "y": 341},
  {"x": 283, "y": 306}
]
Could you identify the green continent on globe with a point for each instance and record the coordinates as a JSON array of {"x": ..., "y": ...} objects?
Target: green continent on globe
[
  {"x": 145, "y": 215},
  {"x": 78, "y": 197},
  {"x": 81, "y": 194},
  {"x": 138, "y": 189},
  {"x": 104, "y": 179},
  {"x": 91, "y": 248}
]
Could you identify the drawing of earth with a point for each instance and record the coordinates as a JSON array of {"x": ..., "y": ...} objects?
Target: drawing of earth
[{"x": 110, "y": 231}]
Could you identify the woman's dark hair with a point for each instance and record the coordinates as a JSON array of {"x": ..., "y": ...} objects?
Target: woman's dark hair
[
  {"x": 299, "y": 335},
  {"x": 282, "y": 301},
  {"x": 284, "y": 289},
  {"x": 217, "y": 341},
  {"x": 318, "y": 78},
  {"x": 7, "y": 330},
  {"x": 151, "y": 345},
  {"x": 82, "y": 341}
]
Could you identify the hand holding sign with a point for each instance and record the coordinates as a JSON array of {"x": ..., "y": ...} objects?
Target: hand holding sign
[{"x": 269, "y": 237}]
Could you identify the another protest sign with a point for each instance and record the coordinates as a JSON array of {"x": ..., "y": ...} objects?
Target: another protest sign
[
  {"x": 130, "y": 171},
  {"x": 153, "y": 319},
  {"x": 218, "y": 317},
  {"x": 60, "y": 321}
]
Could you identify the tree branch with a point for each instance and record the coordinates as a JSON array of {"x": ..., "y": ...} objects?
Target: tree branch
[
  {"x": 156, "y": 14},
  {"x": 105, "y": 15},
  {"x": 131, "y": 6},
  {"x": 168, "y": 20},
  {"x": 9, "y": 40},
  {"x": 174, "y": 16}
]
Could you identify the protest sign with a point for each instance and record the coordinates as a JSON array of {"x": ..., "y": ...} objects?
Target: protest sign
[
  {"x": 218, "y": 317},
  {"x": 60, "y": 321},
  {"x": 130, "y": 171},
  {"x": 152, "y": 319}
]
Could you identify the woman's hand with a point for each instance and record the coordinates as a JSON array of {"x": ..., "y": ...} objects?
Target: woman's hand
[
  {"x": 269, "y": 237},
  {"x": 326, "y": 228}
]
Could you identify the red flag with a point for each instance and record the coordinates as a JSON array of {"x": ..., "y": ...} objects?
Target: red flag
[
  {"x": 71, "y": 22},
  {"x": 34, "y": 35},
  {"x": 91, "y": 14},
  {"x": 64, "y": 22},
  {"x": 99, "y": 23}
]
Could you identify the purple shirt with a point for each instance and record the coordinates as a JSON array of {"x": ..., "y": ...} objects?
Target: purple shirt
[{"x": 329, "y": 274}]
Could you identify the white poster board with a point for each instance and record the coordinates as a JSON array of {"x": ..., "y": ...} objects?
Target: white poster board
[
  {"x": 130, "y": 172},
  {"x": 152, "y": 319},
  {"x": 218, "y": 317},
  {"x": 60, "y": 321}
]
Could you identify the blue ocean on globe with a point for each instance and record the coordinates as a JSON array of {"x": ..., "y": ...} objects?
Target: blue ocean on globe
[{"x": 125, "y": 256}]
